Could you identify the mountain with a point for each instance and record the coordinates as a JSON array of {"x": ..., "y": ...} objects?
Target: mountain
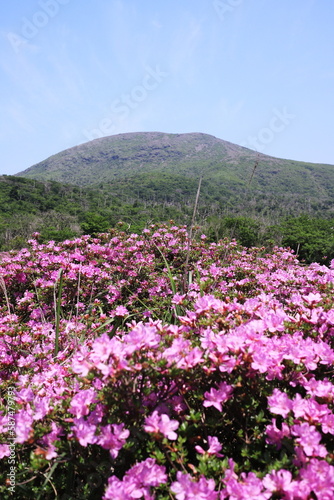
[{"x": 165, "y": 168}]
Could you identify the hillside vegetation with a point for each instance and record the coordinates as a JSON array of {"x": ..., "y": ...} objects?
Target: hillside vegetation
[
  {"x": 58, "y": 212},
  {"x": 146, "y": 178},
  {"x": 166, "y": 168}
]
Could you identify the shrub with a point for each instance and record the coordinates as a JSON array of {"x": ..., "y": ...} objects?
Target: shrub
[{"x": 220, "y": 389}]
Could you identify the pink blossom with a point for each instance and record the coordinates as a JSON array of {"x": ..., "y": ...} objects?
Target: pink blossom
[
  {"x": 276, "y": 435},
  {"x": 148, "y": 473},
  {"x": 42, "y": 408},
  {"x": 309, "y": 439},
  {"x": 141, "y": 336},
  {"x": 279, "y": 403},
  {"x": 278, "y": 481},
  {"x": 249, "y": 487},
  {"x": 321, "y": 388},
  {"x": 327, "y": 424},
  {"x": 102, "y": 348},
  {"x": 161, "y": 424},
  {"x": 319, "y": 476},
  {"x": 214, "y": 447},
  {"x": 215, "y": 397},
  {"x": 113, "y": 438},
  {"x": 23, "y": 427},
  {"x": 121, "y": 311},
  {"x": 178, "y": 299},
  {"x": 309, "y": 409},
  {"x": 81, "y": 401},
  {"x": 4, "y": 450},
  {"x": 312, "y": 298},
  {"x": 185, "y": 488},
  {"x": 84, "y": 431},
  {"x": 206, "y": 303},
  {"x": 80, "y": 364},
  {"x": 193, "y": 358},
  {"x": 137, "y": 481}
]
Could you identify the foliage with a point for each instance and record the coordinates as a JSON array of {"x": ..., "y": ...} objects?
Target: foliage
[
  {"x": 311, "y": 238},
  {"x": 222, "y": 389},
  {"x": 59, "y": 212},
  {"x": 245, "y": 230}
]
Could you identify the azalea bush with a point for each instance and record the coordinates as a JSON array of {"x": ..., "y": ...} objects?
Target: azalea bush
[{"x": 149, "y": 366}]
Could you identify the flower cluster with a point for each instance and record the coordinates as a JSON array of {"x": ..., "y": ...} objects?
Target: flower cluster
[{"x": 137, "y": 376}]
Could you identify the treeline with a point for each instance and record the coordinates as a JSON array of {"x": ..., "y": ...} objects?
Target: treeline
[
  {"x": 312, "y": 239},
  {"x": 60, "y": 212}
]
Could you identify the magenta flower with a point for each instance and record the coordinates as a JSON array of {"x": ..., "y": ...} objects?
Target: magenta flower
[
  {"x": 309, "y": 439},
  {"x": 279, "y": 403},
  {"x": 178, "y": 299},
  {"x": 214, "y": 447},
  {"x": 84, "y": 431},
  {"x": 137, "y": 481},
  {"x": 161, "y": 424},
  {"x": 113, "y": 438},
  {"x": 206, "y": 303},
  {"x": 276, "y": 435},
  {"x": 193, "y": 358},
  {"x": 278, "y": 481},
  {"x": 312, "y": 298},
  {"x": 81, "y": 401},
  {"x": 121, "y": 311},
  {"x": 249, "y": 487},
  {"x": 185, "y": 488},
  {"x": 319, "y": 476},
  {"x": 4, "y": 450},
  {"x": 23, "y": 427},
  {"x": 215, "y": 397}
]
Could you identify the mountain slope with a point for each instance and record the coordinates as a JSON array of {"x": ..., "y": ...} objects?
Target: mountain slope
[{"x": 166, "y": 168}]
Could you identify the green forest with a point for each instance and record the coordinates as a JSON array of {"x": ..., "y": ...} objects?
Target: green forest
[{"x": 59, "y": 212}]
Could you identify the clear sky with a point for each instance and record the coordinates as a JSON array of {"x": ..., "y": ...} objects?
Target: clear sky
[{"x": 258, "y": 73}]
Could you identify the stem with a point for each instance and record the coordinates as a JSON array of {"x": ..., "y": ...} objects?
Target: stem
[
  {"x": 190, "y": 236},
  {"x": 4, "y": 289},
  {"x": 58, "y": 306}
]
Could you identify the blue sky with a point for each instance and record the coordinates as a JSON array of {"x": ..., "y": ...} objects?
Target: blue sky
[{"x": 258, "y": 73}]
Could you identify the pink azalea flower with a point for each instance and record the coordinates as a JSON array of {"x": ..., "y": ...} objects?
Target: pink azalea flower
[
  {"x": 4, "y": 450},
  {"x": 279, "y": 403},
  {"x": 121, "y": 311},
  {"x": 113, "y": 438},
  {"x": 42, "y": 408},
  {"x": 278, "y": 481},
  {"x": 309, "y": 439},
  {"x": 137, "y": 482},
  {"x": 276, "y": 435},
  {"x": 319, "y": 476},
  {"x": 81, "y": 401},
  {"x": 148, "y": 473},
  {"x": 185, "y": 488},
  {"x": 214, "y": 447},
  {"x": 23, "y": 427},
  {"x": 161, "y": 424},
  {"x": 312, "y": 298},
  {"x": 249, "y": 487},
  {"x": 178, "y": 299},
  {"x": 193, "y": 358},
  {"x": 215, "y": 397},
  {"x": 206, "y": 303},
  {"x": 84, "y": 431}
]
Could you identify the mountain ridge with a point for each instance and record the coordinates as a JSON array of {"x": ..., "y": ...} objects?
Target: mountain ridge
[{"x": 160, "y": 164}]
